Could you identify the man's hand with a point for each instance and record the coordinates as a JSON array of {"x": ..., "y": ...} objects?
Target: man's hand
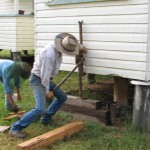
[
  {"x": 50, "y": 95},
  {"x": 82, "y": 48}
]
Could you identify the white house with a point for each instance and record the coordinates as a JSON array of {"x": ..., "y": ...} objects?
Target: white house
[
  {"x": 16, "y": 30},
  {"x": 116, "y": 33}
]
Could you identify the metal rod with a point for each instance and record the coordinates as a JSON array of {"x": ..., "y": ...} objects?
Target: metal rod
[
  {"x": 80, "y": 56},
  {"x": 79, "y": 63}
]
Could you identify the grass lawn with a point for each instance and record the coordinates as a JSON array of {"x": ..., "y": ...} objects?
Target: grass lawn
[{"x": 94, "y": 136}]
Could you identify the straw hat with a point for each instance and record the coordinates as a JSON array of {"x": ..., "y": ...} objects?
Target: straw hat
[{"x": 67, "y": 44}]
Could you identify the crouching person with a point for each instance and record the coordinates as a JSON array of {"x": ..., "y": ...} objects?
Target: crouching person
[
  {"x": 46, "y": 67},
  {"x": 10, "y": 73}
]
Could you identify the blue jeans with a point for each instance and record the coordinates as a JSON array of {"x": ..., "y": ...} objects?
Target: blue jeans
[
  {"x": 7, "y": 104},
  {"x": 40, "y": 108}
]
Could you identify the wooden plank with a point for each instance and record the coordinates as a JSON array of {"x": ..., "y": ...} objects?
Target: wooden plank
[
  {"x": 63, "y": 2},
  {"x": 52, "y": 136},
  {"x": 121, "y": 90},
  {"x": 4, "y": 128},
  {"x": 10, "y": 117},
  {"x": 133, "y": 74},
  {"x": 113, "y": 19},
  {"x": 40, "y": 4},
  {"x": 103, "y": 115},
  {"x": 96, "y": 11},
  {"x": 96, "y": 47},
  {"x": 121, "y": 28},
  {"x": 120, "y": 64},
  {"x": 20, "y": 112},
  {"x": 100, "y": 37},
  {"x": 117, "y": 55},
  {"x": 77, "y": 101}
]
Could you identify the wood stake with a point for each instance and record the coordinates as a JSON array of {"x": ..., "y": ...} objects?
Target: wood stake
[
  {"x": 15, "y": 115},
  {"x": 19, "y": 112},
  {"x": 52, "y": 136},
  {"x": 10, "y": 117}
]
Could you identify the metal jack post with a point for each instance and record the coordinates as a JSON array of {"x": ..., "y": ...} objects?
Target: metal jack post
[{"x": 78, "y": 59}]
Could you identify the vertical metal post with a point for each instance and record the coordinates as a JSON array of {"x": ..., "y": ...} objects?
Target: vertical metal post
[{"x": 78, "y": 58}]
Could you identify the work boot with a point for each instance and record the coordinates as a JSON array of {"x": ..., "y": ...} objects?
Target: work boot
[{"x": 17, "y": 134}]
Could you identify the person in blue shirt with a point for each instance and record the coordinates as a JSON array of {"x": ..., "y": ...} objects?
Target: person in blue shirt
[{"x": 10, "y": 73}]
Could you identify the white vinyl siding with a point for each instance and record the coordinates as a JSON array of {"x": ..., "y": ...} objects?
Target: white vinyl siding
[
  {"x": 25, "y": 33},
  {"x": 7, "y": 33},
  {"x": 17, "y": 33},
  {"x": 6, "y": 7},
  {"x": 115, "y": 33}
]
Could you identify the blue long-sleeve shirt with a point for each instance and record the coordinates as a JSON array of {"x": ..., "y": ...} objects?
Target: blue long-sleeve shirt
[{"x": 7, "y": 74}]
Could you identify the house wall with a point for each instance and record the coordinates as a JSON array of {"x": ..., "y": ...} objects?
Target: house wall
[
  {"x": 7, "y": 33},
  {"x": 25, "y": 33},
  {"x": 6, "y": 6},
  {"x": 16, "y": 31},
  {"x": 115, "y": 33}
]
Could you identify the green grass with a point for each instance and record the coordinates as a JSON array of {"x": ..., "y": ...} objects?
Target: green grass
[
  {"x": 94, "y": 136},
  {"x": 5, "y": 54}
]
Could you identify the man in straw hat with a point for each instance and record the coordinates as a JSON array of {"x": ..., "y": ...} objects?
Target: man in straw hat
[
  {"x": 10, "y": 73},
  {"x": 46, "y": 67}
]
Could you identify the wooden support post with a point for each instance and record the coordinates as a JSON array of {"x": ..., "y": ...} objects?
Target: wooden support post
[
  {"x": 16, "y": 56},
  {"x": 120, "y": 90},
  {"x": 52, "y": 136},
  {"x": 25, "y": 52},
  {"x": 141, "y": 107}
]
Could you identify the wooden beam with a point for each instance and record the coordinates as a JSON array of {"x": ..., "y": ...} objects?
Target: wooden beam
[
  {"x": 52, "y": 136},
  {"x": 10, "y": 117},
  {"x": 103, "y": 115},
  {"x": 64, "y": 2},
  {"x": 77, "y": 101},
  {"x": 13, "y": 115},
  {"x": 4, "y": 128},
  {"x": 18, "y": 113},
  {"x": 121, "y": 90}
]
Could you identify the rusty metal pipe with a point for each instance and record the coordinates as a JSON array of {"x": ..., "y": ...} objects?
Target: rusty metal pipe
[
  {"x": 79, "y": 63},
  {"x": 78, "y": 58}
]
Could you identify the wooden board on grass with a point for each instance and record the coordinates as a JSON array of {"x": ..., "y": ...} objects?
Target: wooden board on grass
[
  {"x": 10, "y": 117},
  {"x": 52, "y": 136},
  {"x": 19, "y": 115},
  {"x": 19, "y": 112},
  {"x": 4, "y": 128}
]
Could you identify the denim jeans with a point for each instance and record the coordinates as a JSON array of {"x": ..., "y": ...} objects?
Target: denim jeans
[
  {"x": 40, "y": 108},
  {"x": 7, "y": 104}
]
